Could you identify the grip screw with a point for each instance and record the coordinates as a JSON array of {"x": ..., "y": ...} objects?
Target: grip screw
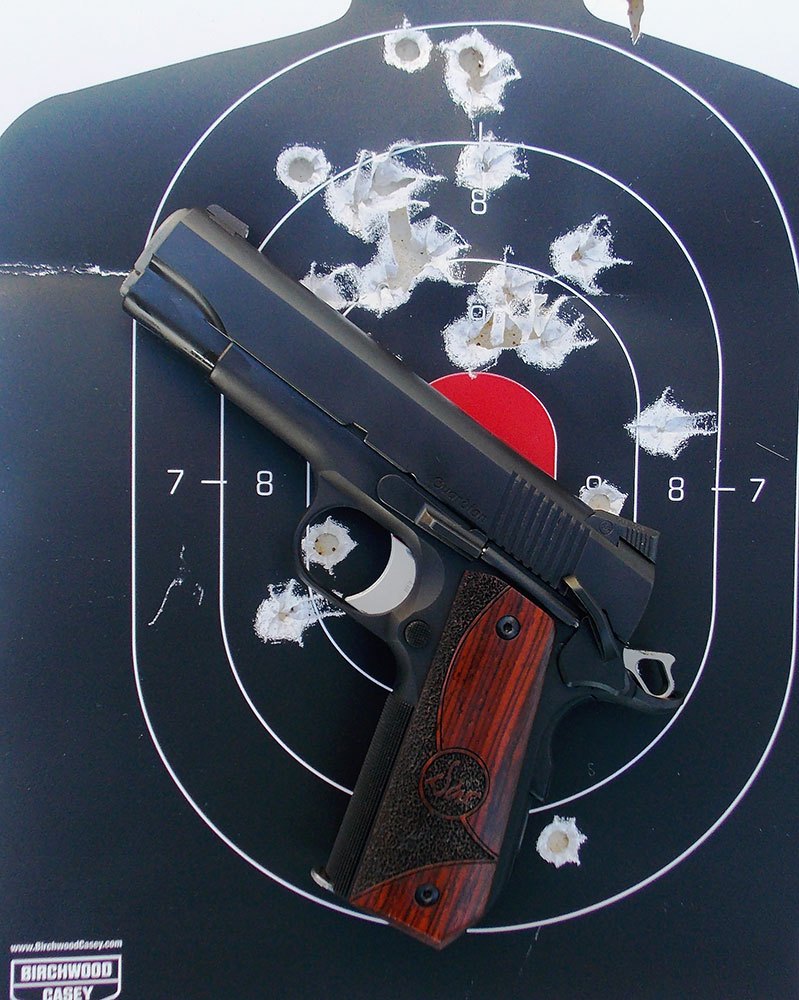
[
  {"x": 427, "y": 894},
  {"x": 418, "y": 633},
  {"x": 508, "y": 627}
]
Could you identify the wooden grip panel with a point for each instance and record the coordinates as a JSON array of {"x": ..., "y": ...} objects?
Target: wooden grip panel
[{"x": 431, "y": 857}]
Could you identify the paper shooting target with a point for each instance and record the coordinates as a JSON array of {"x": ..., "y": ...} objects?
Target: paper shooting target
[{"x": 487, "y": 199}]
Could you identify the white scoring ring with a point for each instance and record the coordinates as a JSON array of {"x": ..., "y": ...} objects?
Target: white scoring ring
[{"x": 688, "y": 851}]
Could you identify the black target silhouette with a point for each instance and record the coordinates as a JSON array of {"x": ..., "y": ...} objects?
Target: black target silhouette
[{"x": 265, "y": 740}]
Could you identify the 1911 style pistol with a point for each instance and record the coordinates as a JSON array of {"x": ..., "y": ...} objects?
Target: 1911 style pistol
[{"x": 505, "y": 600}]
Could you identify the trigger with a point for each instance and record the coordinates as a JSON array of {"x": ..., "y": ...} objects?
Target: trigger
[{"x": 393, "y": 585}]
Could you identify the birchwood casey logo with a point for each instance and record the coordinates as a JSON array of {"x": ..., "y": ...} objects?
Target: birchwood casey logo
[{"x": 73, "y": 977}]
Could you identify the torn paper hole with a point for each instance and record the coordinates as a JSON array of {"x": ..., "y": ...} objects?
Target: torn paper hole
[
  {"x": 302, "y": 168},
  {"x": 380, "y": 286},
  {"x": 461, "y": 342},
  {"x": 510, "y": 312},
  {"x": 338, "y": 287},
  {"x": 508, "y": 300},
  {"x": 560, "y": 841},
  {"x": 488, "y": 165},
  {"x": 511, "y": 287},
  {"x": 664, "y": 427},
  {"x": 603, "y": 496},
  {"x": 288, "y": 612},
  {"x": 635, "y": 11},
  {"x": 582, "y": 254},
  {"x": 327, "y": 544},
  {"x": 379, "y": 184},
  {"x": 476, "y": 73},
  {"x": 408, "y": 253},
  {"x": 19, "y": 268},
  {"x": 554, "y": 336},
  {"x": 407, "y": 49}
]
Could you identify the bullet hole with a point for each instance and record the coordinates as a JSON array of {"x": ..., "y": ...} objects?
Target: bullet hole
[
  {"x": 471, "y": 61},
  {"x": 288, "y": 611},
  {"x": 665, "y": 428},
  {"x": 560, "y": 841},
  {"x": 327, "y": 544},
  {"x": 302, "y": 168},
  {"x": 601, "y": 495},
  {"x": 407, "y": 49},
  {"x": 476, "y": 73},
  {"x": 510, "y": 311},
  {"x": 583, "y": 253},
  {"x": 379, "y": 184},
  {"x": 488, "y": 165}
]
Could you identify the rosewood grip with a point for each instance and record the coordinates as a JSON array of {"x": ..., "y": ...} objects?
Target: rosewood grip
[{"x": 429, "y": 861}]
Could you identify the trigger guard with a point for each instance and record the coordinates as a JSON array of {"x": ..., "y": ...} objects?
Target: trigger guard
[
  {"x": 581, "y": 666},
  {"x": 408, "y": 578}
]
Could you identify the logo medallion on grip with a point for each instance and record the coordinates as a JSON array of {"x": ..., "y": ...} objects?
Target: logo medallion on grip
[{"x": 453, "y": 783}]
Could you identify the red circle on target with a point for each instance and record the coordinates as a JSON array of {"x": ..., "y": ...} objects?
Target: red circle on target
[{"x": 509, "y": 410}]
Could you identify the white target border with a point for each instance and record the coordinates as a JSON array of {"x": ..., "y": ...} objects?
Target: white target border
[
  {"x": 328, "y": 903},
  {"x": 611, "y": 329},
  {"x": 589, "y": 304}
]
